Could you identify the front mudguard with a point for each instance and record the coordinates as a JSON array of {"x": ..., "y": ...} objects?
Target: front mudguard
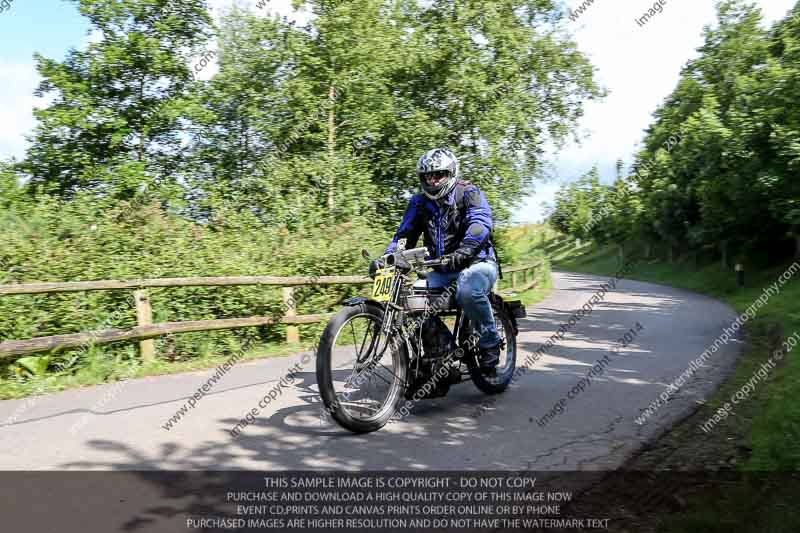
[{"x": 363, "y": 300}]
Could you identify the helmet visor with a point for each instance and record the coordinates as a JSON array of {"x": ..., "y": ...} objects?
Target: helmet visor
[
  {"x": 436, "y": 183},
  {"x": 435, "y": 179}
]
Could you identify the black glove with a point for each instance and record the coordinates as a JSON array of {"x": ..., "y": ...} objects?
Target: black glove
[
  {"x": 458, "y": 260},
  {"x": 374, "y": 265}
]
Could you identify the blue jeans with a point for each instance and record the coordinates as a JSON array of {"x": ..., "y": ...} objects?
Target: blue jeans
[{"x": 473, "y": 285}]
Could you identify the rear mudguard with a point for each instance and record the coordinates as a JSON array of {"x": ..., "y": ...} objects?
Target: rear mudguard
[{"x": 513, "y": 308}]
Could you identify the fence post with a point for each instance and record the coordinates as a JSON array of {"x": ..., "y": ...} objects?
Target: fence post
[
  {"x": 514, "y": 280},
  {"x": 144, "y": 317},
  {"x": 292, "y": 332}
]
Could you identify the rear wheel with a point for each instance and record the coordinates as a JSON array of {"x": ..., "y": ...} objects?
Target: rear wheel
[
  {"x": 501, "y": 379},
  {"x": 360, "y": 388}
]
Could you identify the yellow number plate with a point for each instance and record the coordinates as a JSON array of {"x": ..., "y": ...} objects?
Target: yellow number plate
[{"x": 382, "y": 287}]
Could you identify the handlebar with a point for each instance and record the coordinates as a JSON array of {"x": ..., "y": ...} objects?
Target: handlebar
[
  {"x": 413, "y": 259},
  {"x": 400, "y": 260},
  {"x": 435, "y": 262}
]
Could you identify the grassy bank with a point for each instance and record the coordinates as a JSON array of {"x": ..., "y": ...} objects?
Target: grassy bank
[
  {"x": 525, "y": 245},
  {"x": 104, "y": 369},
  {"x": 761, "y": 435}
]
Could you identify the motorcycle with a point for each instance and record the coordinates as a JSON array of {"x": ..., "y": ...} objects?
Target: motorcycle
[{"x": 396, "y": 345}]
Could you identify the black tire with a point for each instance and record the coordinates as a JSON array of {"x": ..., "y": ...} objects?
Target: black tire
[
  {"x": 505, "y": 370},
  {"x": 325, "y": 371}
]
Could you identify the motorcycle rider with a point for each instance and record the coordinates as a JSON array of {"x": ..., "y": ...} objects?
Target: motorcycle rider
[{"x": 456, "y": 222}]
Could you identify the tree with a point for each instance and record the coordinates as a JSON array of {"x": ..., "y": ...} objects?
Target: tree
[
  {"x": 114, "y": 125},
  {"x": 500, "y": 80},
  {"x": 698, "y": 167},
  {"x": 368, "y": 85},
  {"x": 774, "y": 99},
  {"x": 579, "y": 207}
]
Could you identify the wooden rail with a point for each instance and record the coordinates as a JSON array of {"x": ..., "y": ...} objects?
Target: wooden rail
[
  {"x": 143, "y": 333},
  {"x": 526, "y": 284},
  {"x": 145, "y": 330},
  {"x": 79, "y": 286}
]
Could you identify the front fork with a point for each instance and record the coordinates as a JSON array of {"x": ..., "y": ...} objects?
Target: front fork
[{"x": 387, "y": 330}]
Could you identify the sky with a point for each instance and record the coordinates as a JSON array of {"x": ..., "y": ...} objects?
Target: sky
[{"x": 639, "y": 65}]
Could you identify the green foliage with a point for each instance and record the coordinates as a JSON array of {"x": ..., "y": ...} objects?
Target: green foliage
[
  {"x": 297, "y": 154},
  {"x": 36, "y": 366},
  {"x": 520, "y": 245},
  {"x": 578, "y": 205},
  {"x": 88, "y": 239}
]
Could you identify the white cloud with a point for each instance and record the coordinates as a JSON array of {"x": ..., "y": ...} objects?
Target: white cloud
[
  {"x": 17, "y": 83},
  {"x": 532, "y": 208}
]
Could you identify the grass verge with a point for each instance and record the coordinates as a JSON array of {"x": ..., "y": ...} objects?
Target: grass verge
[{"x": 112, "y": 371}]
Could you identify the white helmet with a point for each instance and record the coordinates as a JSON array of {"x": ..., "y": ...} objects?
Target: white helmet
[{"x": 436, "y": 161}]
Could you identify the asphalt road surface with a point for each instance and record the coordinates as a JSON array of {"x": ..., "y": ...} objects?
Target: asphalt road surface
[{"x": 120, "y": 426}]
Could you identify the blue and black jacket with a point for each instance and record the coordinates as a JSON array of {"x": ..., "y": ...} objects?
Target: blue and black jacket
[{"x": 461, "y": 220}]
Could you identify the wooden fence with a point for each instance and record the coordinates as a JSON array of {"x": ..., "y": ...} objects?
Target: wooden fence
[{"x": 146, "y": 331}]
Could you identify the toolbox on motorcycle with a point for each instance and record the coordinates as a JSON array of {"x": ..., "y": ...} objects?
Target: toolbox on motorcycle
[{"x": 517, "y": 309}]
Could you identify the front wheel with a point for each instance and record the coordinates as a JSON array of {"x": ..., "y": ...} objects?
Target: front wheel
[
  {"x": 361, "y": 382},
  {"x": 499, "y": 382}
]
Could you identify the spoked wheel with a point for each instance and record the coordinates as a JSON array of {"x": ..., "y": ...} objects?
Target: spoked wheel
[
  {"x": 360, "y": 387},
  {"x": 499, "y": 381}
]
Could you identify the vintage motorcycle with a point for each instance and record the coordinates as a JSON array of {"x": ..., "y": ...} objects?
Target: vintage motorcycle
[{"x": 376, "y": 352}]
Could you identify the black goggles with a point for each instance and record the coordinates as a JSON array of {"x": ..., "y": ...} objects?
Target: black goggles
[{"x": 438, "y": 174}]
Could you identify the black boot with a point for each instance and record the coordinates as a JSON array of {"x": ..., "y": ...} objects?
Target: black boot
[{"x": 489, "y": 358}]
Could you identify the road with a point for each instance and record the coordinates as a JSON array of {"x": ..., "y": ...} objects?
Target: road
[{"x": 120, "y": 426}]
